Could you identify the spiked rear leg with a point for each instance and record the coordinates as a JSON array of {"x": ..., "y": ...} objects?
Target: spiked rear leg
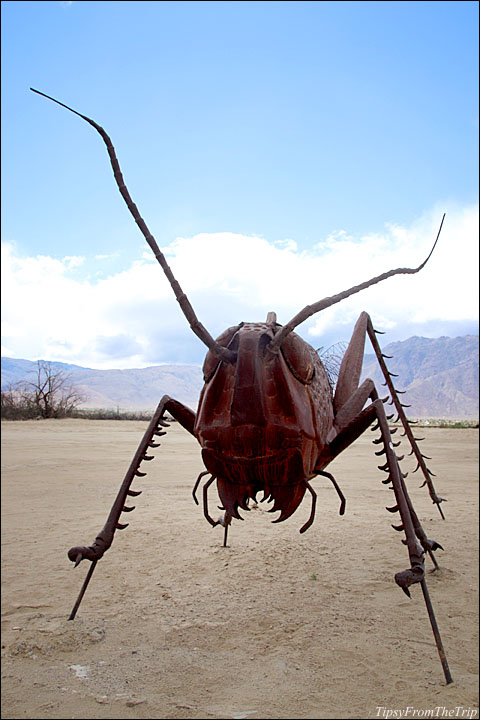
[
  {"x": 350, "y": 422},
  {"x": 347, "y": 384},
  {"x": 411, "y": 526},
  {"x": 399, "y": 406},
  {"x": 345, "y": 434},
  {"x": 104, "y": 539}
]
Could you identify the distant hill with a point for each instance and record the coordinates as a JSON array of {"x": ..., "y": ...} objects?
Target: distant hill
[
  {"x": 14, "y": 369},
  {"x": 440, "y": 377},
  {"x": 133, "y": 389}
]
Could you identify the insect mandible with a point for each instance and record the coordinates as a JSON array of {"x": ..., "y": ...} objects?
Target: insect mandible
[{"x": 268, "y": 420}]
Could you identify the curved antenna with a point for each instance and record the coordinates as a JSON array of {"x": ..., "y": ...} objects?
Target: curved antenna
[
  {"x": 195, "y": 324},
  {"x": 310, "y": 310}
]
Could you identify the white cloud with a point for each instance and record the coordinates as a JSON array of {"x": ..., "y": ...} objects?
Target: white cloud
[
  {"x": 445, "y": 290},
  {"x": 131, "y": 319},
  {"x": 72, "y": 261}
]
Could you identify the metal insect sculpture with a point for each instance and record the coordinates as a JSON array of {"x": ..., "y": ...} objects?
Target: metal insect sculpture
[{"x": 268, "y": 420}]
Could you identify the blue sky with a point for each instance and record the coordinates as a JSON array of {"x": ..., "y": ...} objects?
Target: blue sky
[{"x": 278, "y": 151}]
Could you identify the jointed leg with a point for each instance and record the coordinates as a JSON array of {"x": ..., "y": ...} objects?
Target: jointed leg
[
  {"x": 104, "y": 539},
  {"x": 339, "y": 492},
  {"x": 183, "y": 414},
  {"x": 224, "y": 520},
  {"x": 344, "y": 435},
  {"x": 349, "y": 400},
  {"x": 416, "y": 572},
  {"x": 402, "y": 417},
  {"x": 411, "y": 525},
  {"x": 314, "y": 498},
  {"x": 351, "y": 422},
  {"x": 347, "y": 385}
]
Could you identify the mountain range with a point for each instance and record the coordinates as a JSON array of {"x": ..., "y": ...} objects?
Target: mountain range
[
  {"x": 439, "y": 376},
  {"x": 132, "y": 389}
]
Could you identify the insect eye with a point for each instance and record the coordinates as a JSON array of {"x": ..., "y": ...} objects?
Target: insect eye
[
  {"x": 211, "y": 361},
  {"x": 298, "y": 356}
]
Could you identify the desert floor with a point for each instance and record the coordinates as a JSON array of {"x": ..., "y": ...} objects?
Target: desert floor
[{"x": 277, "y": 625}]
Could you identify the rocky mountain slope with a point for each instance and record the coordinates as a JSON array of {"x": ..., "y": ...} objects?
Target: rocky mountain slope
[{"x": 439, "y": 375}]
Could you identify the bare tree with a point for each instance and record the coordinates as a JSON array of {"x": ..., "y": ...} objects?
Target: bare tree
[{"x": 51, "y": 393}]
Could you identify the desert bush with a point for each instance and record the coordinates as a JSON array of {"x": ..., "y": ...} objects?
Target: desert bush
[
  {"x": 15, "y": 406},
  {"x": 50, "y": 394},
  {"x": 111, "y": 414}
]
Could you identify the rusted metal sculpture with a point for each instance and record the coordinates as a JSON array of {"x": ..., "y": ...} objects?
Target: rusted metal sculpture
[{"x": 269, "y": 421}]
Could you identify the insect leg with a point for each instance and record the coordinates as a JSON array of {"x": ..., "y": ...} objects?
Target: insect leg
[
  {"x": 312, "y": 511},
  {"x": 399, "y": 406},
  {"x": 212, "y": 522},
  {"x": 350, "y": 422},
  {"x": 339, "y": 492},
  {"x": 226, "y": 523},
  {"x": 416, "y": 573},
  {"x": 197, "y": 483},
  {"x": 104, "y": 539},
  {"x": 352, "y": 428}
]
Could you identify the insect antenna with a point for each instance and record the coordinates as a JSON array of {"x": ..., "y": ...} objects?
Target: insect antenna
[
  {"x": 182, "y": 299},
  {"x": 310, "y": 310}
]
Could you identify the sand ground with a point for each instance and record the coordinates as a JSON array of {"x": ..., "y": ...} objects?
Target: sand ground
[{"x": 277, "y": 625}]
